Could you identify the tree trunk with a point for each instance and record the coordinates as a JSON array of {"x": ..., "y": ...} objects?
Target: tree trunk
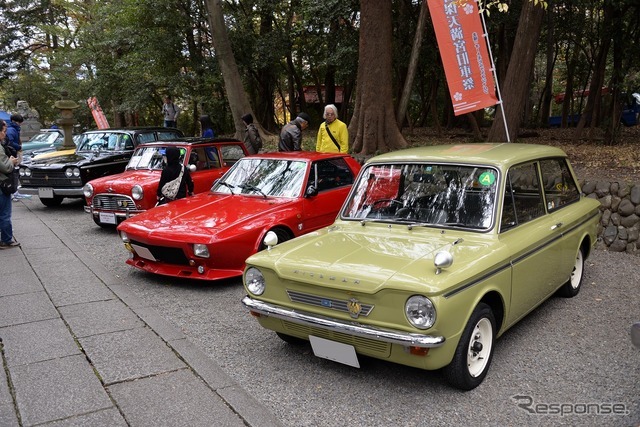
[
  {"x": 373, "y": 127},
  {"x": 413, "y": 65},
  {"x": 238, "y": 98},
  {"x": 595, "y": 96},
  {"x": 547, "y": 94},
  {"x": 515, "y": 89}
]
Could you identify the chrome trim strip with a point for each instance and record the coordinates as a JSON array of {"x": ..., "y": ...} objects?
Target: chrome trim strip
[
  {"x": 516, "y": 260},
  {"x": 56, "y": 191},
  {"x": 350, "y": 328}
]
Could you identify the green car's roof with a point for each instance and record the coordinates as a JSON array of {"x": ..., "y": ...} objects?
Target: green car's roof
[{"x": 498, "y": 154}]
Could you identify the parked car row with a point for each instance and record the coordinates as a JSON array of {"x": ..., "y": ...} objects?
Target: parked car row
[
  {"x": 421, "y": 257},
  {"x": 54, "y": 176}
]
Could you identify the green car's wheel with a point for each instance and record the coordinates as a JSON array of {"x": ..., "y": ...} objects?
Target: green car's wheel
[
  {"x": 572, "y": 287},
  {"x": 473, "y": 355}
]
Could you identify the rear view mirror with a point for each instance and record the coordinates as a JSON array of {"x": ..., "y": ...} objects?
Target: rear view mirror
[{"x": 311, "y": 191}]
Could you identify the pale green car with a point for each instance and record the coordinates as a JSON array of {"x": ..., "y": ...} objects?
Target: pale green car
[{"x": 436, "y": 252}]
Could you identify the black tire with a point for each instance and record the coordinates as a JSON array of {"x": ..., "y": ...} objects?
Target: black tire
[
  {"x": 473, "y": 355},
  {"x": 51, "y": 202},
  {"x": 291, "y": 340},
  {"x": 573, "y": 285},
  {"x": 283, "y": 236},
  {"x": 100, "y": 224}
]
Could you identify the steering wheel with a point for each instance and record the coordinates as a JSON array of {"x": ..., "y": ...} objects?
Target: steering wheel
[{"x": 390, "y": 201}]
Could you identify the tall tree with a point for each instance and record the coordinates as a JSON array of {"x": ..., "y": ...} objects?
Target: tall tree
[
  {"x": 413, "y": 64},
  {"x": 515, "y": 90},
  {"x": 373, "y": 127},
  {"x": 237, "y": 96}
]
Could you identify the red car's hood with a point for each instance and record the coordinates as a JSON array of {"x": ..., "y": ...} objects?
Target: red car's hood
[
  {"x": 204, "y": 214},
  {"x": 125, "y": 180}
]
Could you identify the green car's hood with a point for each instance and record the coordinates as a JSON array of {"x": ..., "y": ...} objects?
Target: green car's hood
[{"x": 377, "y": 256}]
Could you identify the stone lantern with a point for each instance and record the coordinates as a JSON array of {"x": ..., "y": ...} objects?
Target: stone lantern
[{"x": 66, "y": 121}]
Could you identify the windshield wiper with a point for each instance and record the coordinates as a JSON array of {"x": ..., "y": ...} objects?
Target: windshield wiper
[
  {"x": 253, "y": 188},
  {"x": 229, "y": 186}
]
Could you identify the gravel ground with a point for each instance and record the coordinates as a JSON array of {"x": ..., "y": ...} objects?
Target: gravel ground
[{"x": 567, "y": 354}]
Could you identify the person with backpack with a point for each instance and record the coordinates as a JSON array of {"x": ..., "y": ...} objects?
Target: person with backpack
[
  {"x": 8, "y": 162},
  {"x": 175, "y": 180},
  {"x": 333, "y": 135},
  {"x": 252, "y": 139}
]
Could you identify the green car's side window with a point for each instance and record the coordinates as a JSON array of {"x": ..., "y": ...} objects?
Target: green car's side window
[
  {"x": 560, "y": 188},
  {"x": 522, "y": 199}
]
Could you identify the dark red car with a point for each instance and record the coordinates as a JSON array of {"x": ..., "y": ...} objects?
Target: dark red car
[
  {"x": 209, "y": 236},
  {"x": 114, "y": 198}
]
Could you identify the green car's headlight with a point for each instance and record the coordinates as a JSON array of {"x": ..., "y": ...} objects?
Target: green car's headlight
[
  {"x": 420, "y": 312},
  {"x": 254, "y": 280}
]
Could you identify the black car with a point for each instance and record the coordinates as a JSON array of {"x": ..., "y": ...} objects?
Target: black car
[{"x": 54, "y": 176}]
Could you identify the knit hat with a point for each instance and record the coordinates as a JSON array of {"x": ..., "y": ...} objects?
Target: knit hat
[
  {"x": 304, "y": 116},
  {"x": 247, "y": 118}
]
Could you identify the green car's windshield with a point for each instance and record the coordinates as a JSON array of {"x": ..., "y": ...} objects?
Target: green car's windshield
[
  {"x": 150, "y": 157},
  {"x": 263, "y": 177},
  {"x": 425, "y": 194}
]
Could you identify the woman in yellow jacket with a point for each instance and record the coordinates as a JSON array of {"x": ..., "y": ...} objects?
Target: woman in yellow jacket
[{"x": 333, "y": 136}]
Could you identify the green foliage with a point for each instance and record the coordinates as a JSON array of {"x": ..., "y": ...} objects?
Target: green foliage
[{"x": 129, "y": 53}]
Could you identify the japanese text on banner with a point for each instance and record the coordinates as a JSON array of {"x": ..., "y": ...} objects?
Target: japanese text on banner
[{"x": 464, "y": 54}]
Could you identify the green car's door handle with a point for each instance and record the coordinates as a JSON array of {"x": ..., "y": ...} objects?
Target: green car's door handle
[{"x": 558, "y": 225}]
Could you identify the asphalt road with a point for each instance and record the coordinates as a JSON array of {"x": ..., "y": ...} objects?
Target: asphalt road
[{"x": 570, "y": 362}]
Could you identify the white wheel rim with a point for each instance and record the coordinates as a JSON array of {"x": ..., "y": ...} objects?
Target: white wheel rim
[
  {"x": 479, "y": 347},
  {"x": 576, "y": 274}
]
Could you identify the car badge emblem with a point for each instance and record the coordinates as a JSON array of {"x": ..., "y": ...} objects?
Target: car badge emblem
[
  {"x": 110, "y": 190},
  {"x": 354, "y": 308}
]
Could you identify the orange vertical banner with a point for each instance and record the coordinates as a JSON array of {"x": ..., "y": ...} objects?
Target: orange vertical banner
[
  {"x": 97, "y": 113},
  {"x": 464, "y": 54}
]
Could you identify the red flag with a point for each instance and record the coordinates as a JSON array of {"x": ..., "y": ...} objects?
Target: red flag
[
  {"x": 97, "y": 113},
  {"x": 464, "y": 54}
]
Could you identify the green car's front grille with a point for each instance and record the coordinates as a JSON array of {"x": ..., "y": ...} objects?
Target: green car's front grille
[
  {"x": 330, "y": 303},
  {"x": 363, "y": 345}
]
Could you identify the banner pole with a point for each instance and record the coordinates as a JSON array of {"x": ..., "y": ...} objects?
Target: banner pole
[{"x": 493, "y": 70}]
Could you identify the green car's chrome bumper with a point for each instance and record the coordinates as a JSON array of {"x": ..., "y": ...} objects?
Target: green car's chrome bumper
[{"x": 351, "y": 328}]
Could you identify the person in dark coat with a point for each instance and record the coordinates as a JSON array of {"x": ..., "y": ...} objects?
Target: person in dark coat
[
  {"x": 170, "y": 172},
  {"x": 291, "y": 134}
]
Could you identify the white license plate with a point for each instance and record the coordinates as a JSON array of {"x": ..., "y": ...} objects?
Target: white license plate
[
  {"x": 45, "y": 192},
  {"x": 143, "y": 252},
  {"x": 107, "y": 218},
  {"x": 331, "y": 350}
]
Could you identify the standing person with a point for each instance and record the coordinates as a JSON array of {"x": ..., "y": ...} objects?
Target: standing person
[
  {"x": 333, "y": 136},
  {"x": 291, "y": 134},
  {"x": 252, "y": 139},
  {"x": 7, "y": 164},
  {"x": 206, "y": 127},
  {"x": 13, "y": 132},
  {"x": 170, "y": 111},
  {"x": 15, "y": 145},
  {"x": 173, "y": 170}
]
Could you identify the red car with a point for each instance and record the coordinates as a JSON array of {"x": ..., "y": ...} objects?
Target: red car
[
  {"x": 114, "y": 198},
  {"x": 209, "y": 236}
]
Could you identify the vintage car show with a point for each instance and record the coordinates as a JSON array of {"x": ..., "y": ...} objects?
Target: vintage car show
[{"x": 252, "y": 213}]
